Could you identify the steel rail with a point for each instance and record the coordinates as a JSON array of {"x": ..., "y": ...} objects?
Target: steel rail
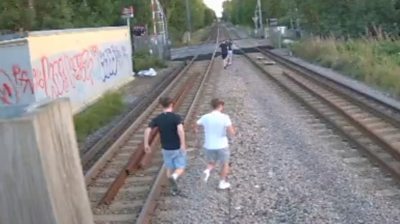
[{"x": 149, "y": 206}]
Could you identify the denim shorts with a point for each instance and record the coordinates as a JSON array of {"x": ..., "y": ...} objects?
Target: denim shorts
[
  {"x": 174, "y": 159},
  {"x": 218, "y": 155}
]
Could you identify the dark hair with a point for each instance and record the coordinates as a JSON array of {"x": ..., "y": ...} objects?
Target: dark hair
[
  {"x": 166, "y": 101},
  {"x": 215, "y": 103}
]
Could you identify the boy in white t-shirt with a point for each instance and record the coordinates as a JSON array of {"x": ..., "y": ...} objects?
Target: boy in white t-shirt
[{"x": 216, "y": 126}]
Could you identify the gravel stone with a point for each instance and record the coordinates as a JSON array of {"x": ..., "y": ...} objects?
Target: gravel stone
[{"x": 287, "y": 166}]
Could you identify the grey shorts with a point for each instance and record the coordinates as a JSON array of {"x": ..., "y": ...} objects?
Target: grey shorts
[{"x": 217, "y": 155}]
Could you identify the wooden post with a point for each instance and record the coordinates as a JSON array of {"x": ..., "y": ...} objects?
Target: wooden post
[{"x": 41, "y": 178}]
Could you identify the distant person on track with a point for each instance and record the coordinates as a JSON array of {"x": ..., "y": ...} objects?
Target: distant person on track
[
  {"x": 216, "y": 127},
  {"x": 224, "y": 53},
  {"x": 172, "y": 135},
  {"x": 230, "y": 52}
]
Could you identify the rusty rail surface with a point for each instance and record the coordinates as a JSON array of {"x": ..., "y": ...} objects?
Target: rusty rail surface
[
  {"x": 369, "y": 123},
  {"x": 139, "y": 158},
  {"x": 111, "y": 175},
  {"x": 95, "y": 169},
  {"x": 150, "y": 204},
  {"x": 88, "y": 156}
]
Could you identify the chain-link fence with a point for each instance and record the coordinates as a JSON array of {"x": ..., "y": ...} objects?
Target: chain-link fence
[
  {"x": 281, "y": 37},
  {"x": 155, "y": 45}
]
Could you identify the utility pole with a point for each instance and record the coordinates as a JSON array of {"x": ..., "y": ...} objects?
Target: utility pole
[
  {"x": 160, "y": 29},
  {"x": 260, "y": 18},
  {"x": 189, "y": 20}
]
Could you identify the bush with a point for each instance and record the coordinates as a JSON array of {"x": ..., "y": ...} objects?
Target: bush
[
  {"x": 375, "y": 62},
  {"x": 98, "y": 114},
  {"x": 143, "y": 60}
]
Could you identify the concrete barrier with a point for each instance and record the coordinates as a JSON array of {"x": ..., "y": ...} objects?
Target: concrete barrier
[
  {"x": 81, "y": 64},
  {"x": 41, "y": 179}
]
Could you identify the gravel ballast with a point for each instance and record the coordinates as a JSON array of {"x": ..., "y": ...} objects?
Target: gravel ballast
[{"x": 287, "y": 166}]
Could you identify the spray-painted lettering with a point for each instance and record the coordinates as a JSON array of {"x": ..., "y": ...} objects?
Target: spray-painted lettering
[
  {"x": 111, "y": 59},
  {"x": 59, "y": 75},
  {"x": 14, "y": 85},
  {"x": 79, "y": 75}
]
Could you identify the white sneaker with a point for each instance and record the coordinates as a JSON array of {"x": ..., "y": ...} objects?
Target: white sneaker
[
  {"x": 224, "y": 185},
  {"x": 206, "y": 175}
]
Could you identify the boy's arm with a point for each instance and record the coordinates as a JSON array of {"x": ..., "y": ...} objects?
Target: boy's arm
[
  {"x": 147, "y": 132},
  {"x": 231, "y": 130},
  {"x": 181, "y": 134},
  {"x": 197, "y": 125}
]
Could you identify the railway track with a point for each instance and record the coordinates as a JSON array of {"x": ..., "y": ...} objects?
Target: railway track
[
  {"x": 124, "y": 182},
  {"x": 94, "y": 152},
  {"x": 370, "y": 124}
]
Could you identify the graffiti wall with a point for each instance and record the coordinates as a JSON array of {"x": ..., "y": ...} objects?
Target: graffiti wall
[
  {"x": 80, "y": 64},
  {"x": 16, "y": 85}
]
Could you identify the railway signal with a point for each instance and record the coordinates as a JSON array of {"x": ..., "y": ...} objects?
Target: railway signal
[{"x": 128, "y": 13}]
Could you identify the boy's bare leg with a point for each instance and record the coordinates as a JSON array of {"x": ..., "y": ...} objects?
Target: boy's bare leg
[
  {"x": 207, "y": 171},
  {"x": 225, "y": 171}
]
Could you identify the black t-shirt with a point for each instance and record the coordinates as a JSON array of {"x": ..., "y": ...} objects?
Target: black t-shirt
[
  {"x": 224, "y": 48},
  {"x": 167, "y": 123}
]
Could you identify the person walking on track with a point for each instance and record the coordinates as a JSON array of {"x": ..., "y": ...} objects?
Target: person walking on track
[
  {"x": 172, "y": 135},
  {"x": 224, "y": 53},
  {"x": 230, "y": 52},
  {"x": 216, "y": 127}
]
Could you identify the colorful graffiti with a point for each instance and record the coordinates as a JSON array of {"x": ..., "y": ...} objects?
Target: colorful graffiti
[
  {"x": 14, "y": 84},
  {"x": 57, "y": 76},
  {"x": 79, "y": 75},
  {"x": 110, "y": 59}
]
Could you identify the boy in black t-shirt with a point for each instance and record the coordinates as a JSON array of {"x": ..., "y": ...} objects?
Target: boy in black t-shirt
[
  {"x": 224, "y": 53},
  {"x": 172, "y": 137}
]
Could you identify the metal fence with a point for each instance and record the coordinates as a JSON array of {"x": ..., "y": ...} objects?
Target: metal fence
[
  {"x": 155, "y": 45},
  {"x": 280, "y": 36}
]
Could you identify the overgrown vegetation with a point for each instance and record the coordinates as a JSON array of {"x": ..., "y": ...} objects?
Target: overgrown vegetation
[
  {"x": 197, "y": 37},
  {"x": 143, "y": 60},
  {"x": 201, "y": 16},
  {"x": 98, "y": 114},
  {"x": 375, "y": 62},
  {"x": 339, "y": 29},
  {"x": 59, "y": 14},
  {"x": 323, "y": 17}
]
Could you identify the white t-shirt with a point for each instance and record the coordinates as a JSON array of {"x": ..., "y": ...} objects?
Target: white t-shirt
[{"x": 215, "y": 125}]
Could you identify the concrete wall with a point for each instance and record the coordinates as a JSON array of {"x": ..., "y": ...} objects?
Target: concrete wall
[
  {"x": 81, "y": 64},
  {"x": 16, "y": 86}
]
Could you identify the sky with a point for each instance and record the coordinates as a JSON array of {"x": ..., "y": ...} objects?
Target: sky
[{"x": 216, "y": 5}]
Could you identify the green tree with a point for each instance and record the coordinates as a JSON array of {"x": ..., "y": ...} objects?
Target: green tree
[
  {"x": 338, "y": 17},
  {"x": 58, "y": 14}
]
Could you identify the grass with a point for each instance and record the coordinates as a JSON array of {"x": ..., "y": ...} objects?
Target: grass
[
  {"x": 98, "y": 114},
  {"x": 375, "y": 62},
  {"x": 197, "y": 37},
  {"x": 143, "y": 60}
]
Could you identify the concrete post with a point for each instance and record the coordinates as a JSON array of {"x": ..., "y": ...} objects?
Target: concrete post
[
  {"x": 188, "y": 20},
  {"x": 260, "y": 19},
  {"x": 41, "y": 178}
]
